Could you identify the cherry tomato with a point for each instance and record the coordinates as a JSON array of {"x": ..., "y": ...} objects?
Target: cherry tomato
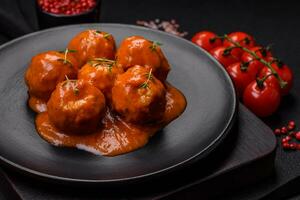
[
  {"x": 242, "y": 74},
  {"x": 261, "y": 52},
  {"x": 271, "y": 80},
  {"x": 207, "y": 40},
  {"x": 262, "y": 100},
  {"x": 242, "y": 38},
  {"x": 225, "y": 57},
  {"x": 284, "y": 72}
]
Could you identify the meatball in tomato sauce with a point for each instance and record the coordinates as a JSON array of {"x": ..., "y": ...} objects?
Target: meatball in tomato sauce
[
  {"x": 45, "y": 71},
  {"x": 101, "y": 73},
  {"x": 76, "y": 107},
  {"x": 136, "y": 50},
  {"x": 91, "y": 44},
  {"x": 138, "y": 96}
]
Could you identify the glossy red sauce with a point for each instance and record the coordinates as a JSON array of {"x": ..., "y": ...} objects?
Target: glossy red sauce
[{"x": 114, "y": 136}]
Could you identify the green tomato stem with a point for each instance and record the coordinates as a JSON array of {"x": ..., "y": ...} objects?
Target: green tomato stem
[{"x": 282, "y": 83}]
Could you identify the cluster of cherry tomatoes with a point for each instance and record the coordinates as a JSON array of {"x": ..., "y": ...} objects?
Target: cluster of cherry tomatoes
[{"x": 259, "y": 86}]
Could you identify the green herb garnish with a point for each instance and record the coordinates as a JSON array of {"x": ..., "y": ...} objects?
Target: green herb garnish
[
  {"x": 99, "y": 61},
  {"x": 154, "y": 45},
  {"x": 65, "y": 60},
  {"x": 149, "y": 78}
]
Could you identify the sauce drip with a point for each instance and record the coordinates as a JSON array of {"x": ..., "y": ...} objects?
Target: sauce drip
[{"x": 114, "y": 136}]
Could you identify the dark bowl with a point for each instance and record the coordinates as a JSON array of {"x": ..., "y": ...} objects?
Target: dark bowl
[{"x": 47, "y": 19}]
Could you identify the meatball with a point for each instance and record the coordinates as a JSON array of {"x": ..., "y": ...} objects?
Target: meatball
[
  {"x": 138, "y": 96},
  {"x": 101, "y": 73},
  {"x": 136, "y": 50},
  {"x": 92, "y": 44},
  {"x": 46, "y": 70},
  {"x": 76, "y": 107}
]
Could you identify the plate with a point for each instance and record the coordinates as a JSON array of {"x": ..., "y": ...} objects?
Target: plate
[{"x": 210, "y": 113}]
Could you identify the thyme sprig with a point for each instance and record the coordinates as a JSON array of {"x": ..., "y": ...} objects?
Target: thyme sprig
[
  {"x": 106, "y": 36},
  {"x": 75, "y": 89},
  {"x": 154, "y": 45},
  {"x": 65, "y": 59},
  {"x": 99, "y": 61},
  {"x": 149, "y": 76}
]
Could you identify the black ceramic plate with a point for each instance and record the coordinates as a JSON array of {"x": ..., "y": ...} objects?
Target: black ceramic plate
[{"x": 210, "y": 112}]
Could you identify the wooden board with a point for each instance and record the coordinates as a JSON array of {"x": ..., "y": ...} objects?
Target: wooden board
[{"x": 247, "y": 154}]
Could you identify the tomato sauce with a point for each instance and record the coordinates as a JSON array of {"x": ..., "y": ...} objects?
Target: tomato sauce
[{"x": 114, "y": 136}]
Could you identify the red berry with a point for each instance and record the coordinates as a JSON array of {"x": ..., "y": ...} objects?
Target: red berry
[
  {"x": 286, "y": 139},
  {"x": 298, "y": 146},
  {"x": 283, "y": 130},
  {"x": 297, "y": 135},
  {"x": 292, "y": 123},
  {"x": 289, "y": 127},
  {"x": 286, "y": 145},
  {"x": 277, "y": 131},
  {"x": 293, "y": 145},
  {"x": 283, "y": 140}
]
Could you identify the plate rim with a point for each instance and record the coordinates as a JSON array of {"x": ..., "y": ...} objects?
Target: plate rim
[{"x": 180, "y": 165}]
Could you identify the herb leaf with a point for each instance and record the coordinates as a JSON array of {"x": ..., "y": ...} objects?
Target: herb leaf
[
  {"x": 75, "y": 88},
  {"x": 65, "y": 60},
  {"x": 99, "y": 61},
  {"x": 76, "y": 91},
  {"x": 106, "y": 36},
  {"x": 154, "y": 45},
  {"x": 72, "y": 50},
  {"x": 149, "y": 78}
]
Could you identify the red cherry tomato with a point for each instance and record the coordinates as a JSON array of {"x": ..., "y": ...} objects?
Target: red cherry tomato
[
  {"x": 284, "y": 72},
  {"x": 261, "y": 52},
  {"x": 207, "y": 40},
  {"x": 272, "y": 81},
  {"x": 241, "y": 75},
  {"x": 242, "y": 38},
  {"x": 263, "y": 101},
  {"x": 225, "y": 57}
]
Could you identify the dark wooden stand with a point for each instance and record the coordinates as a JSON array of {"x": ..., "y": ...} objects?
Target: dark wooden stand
[{"x": 246, "y": 156}]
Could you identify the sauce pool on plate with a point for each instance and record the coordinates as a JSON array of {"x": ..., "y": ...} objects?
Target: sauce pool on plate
[{"x": 114, "y": 136}]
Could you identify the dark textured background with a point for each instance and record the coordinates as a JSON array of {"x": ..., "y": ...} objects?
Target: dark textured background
[{"x": 270, "y": 22}]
